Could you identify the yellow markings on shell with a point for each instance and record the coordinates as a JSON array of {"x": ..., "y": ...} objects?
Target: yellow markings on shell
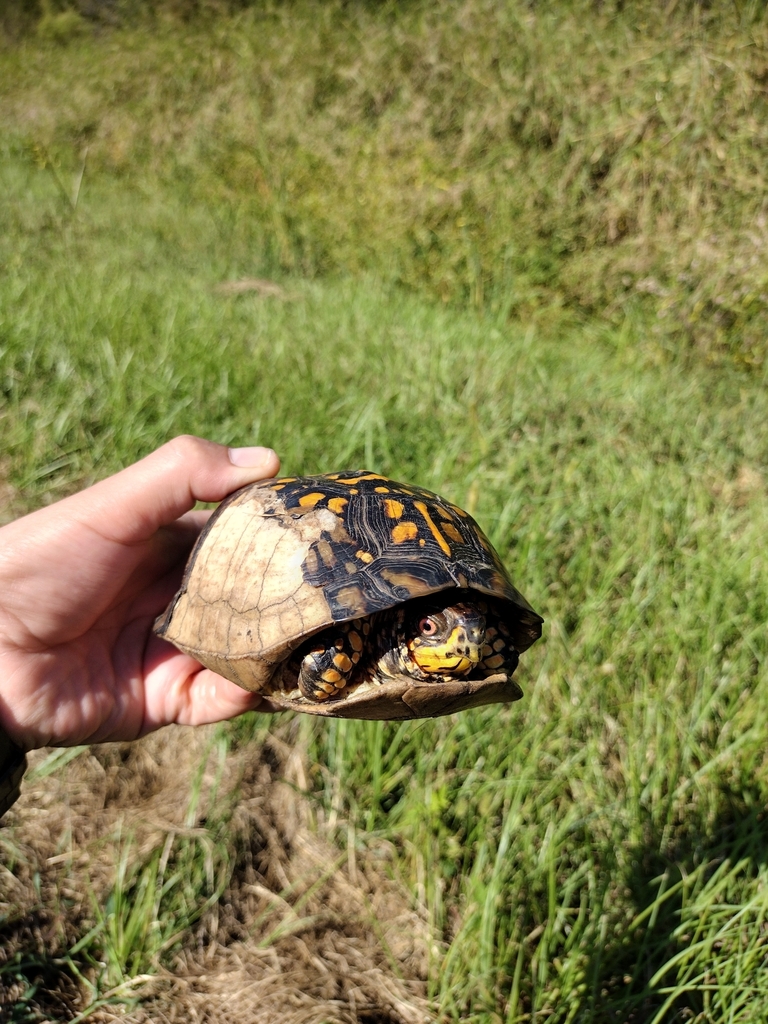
[
  {"x": 394, "y": 509},
  {"x": 422, "y": 542},
  {"x": 349, "y": 480},
  {"x": 435, "y": 532},
  {"x": 337, "y": 504},
  {"x": 355, "y": 640},
  {"x": 452, "y": 532},
  {"x": 353, "y": 490},
  {"x": 404, "y": 531},
  {"x": 381, "y": 490},
  {"x": 342, "y": 662},
  {"x": 331, "y": 675},
  {"x": 495, "y": 662},
  {"x": 364, "y": 556},
  {"x": 459, "y": 511},
  {"x": 500, "y": 645},
  {"x": 351, "y": 567},
  {"x": 310, "y": 500}
]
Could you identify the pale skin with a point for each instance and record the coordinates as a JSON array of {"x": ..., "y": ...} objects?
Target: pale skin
[{"x": 81, "y": 583}]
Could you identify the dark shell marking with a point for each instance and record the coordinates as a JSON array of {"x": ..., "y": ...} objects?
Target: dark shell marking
[{"x": 398, "y": 542}]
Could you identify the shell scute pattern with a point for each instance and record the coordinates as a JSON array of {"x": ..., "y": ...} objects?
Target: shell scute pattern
[{"x": 393, "y": 542}]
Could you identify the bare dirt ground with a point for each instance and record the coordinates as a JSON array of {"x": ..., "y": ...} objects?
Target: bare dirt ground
[{"x": 304, "y": 933}]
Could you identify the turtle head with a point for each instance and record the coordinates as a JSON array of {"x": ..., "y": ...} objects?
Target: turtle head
[{"x": 447, "y": 640}]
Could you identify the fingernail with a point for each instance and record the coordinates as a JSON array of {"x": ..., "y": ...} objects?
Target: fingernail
[{"x": 251, "y": 458}]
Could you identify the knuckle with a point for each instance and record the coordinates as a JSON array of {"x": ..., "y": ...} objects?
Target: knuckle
[{"x": 188, "y": 449}]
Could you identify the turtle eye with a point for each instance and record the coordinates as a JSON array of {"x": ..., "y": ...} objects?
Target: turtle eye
[{"x": 428, "y": 626}]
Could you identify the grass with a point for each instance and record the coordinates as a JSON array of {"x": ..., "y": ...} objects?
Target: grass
[
  {"x": 594, "y": 853},
  {"x": 513, "y": 157}
]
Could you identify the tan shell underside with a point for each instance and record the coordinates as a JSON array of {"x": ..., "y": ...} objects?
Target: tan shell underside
[
  {"x": 405, "y": 698},
  {"x": 246, "y": 593}
]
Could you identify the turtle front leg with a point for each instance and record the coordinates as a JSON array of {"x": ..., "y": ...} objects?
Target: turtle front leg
[{"x": 333, "y": 655}]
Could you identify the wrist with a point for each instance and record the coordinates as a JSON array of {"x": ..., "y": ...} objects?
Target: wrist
[{"x": 13, "y": 764}]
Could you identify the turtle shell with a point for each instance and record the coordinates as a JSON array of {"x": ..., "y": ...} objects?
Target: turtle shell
[{"x": 282, "y": 560}]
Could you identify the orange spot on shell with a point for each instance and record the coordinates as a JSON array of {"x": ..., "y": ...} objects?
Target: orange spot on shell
[
  {"x": 310, "y": 500},
  {"x": 349, "y": 480},
  {"x": 394, "y": 509},
  {"x": 337, "y": 504},
  {"x": 434, "y": 530},
  {"x": 364, "y": 556},
  {"x": 404, "y": 531},
  {"x": 452, "y": 532}
]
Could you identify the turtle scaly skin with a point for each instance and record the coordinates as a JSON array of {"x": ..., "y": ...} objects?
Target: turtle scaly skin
[{"x": 459, "y": 638}]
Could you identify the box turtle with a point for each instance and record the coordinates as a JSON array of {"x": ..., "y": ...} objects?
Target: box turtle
[{"x": 351, "y": 595}]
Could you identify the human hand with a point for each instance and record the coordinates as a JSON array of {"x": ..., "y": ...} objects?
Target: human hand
[{"x": 81, "y": 583}]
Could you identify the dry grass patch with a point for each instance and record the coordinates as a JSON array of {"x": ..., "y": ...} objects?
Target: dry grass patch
[{"x": 279, "y": 922}]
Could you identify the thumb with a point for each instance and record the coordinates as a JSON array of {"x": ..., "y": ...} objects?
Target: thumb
[{"x": 131, "y": 505}]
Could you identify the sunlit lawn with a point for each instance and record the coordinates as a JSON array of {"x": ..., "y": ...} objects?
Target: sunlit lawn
[{"x": 595, "y": 852}]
